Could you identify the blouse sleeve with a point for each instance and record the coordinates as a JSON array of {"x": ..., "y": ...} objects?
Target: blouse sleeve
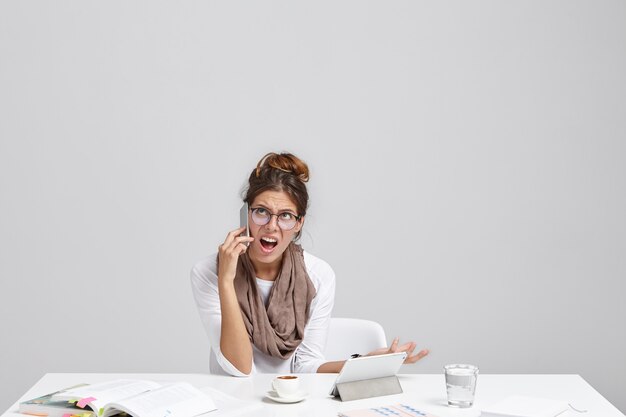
[
  {"x": 310, "y": 354},
  {"x": 205, "y": 292}
]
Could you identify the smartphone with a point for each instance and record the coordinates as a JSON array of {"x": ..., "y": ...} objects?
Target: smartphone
[{"x": 243, "y": 220}]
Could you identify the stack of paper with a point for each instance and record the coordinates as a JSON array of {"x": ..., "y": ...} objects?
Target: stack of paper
[{"x": 519, "y": 406}]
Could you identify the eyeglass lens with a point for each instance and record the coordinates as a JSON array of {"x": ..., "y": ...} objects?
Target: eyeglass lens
[{"x": 261, "y": 217}]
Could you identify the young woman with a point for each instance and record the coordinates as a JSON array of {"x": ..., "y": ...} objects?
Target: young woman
[{"x": 265, "y": 302}]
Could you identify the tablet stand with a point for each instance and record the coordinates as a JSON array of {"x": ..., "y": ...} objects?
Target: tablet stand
[{"x": 367, "y": 388}]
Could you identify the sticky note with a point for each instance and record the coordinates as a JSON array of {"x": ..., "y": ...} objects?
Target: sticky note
[
  {"x": 72, "y": 401},
  {"x": 101, "y": 411},
  {"x": 67, "y": 415},
  {"x": 82, "y": 403}
]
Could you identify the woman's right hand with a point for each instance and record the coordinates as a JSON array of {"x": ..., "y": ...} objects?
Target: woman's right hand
[{"x": 229, "y": 252}]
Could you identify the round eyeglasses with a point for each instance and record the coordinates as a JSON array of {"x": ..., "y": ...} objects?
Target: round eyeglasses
[{"x": 262, "y": 216}]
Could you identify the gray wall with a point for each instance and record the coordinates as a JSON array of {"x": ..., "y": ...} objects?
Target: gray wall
[{"x": 467, "y": 174}]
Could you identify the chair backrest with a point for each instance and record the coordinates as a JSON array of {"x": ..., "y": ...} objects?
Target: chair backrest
[{"x": 348, "y": 336}]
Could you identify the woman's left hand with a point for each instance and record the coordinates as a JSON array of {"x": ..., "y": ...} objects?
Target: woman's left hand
[{"x": 396, "y": 347}]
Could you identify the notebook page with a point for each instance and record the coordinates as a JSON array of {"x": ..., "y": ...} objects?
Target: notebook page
[{"x": 175, "y": 400}]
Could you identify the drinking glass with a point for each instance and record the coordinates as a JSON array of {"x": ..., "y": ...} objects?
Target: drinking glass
[{"x": 461, "y": 384}]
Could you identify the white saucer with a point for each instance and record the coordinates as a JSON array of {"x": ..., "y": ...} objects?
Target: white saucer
[{"x": 299, "y": 396}]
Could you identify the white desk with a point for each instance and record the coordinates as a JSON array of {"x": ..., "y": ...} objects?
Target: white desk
[{"x": 426, "y": 392}]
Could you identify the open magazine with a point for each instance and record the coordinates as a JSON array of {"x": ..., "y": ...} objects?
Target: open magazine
[
  {"x": 45, "y": 406},
  {"x": 139, "y": 398}
]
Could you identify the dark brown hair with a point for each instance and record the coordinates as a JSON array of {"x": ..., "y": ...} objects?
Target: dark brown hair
[{"x": 280, "y": 172}]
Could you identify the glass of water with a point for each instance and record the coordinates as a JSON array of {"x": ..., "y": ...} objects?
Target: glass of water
[{"x": 461, "y": 384}]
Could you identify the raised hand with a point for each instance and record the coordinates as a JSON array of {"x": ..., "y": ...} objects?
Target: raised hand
[{"x": 395, "y": 347}]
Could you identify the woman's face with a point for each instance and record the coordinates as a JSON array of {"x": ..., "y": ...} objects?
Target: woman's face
[{"x": 262, "y": 250}]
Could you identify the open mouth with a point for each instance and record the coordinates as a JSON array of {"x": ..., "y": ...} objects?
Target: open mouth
[{"x": 268, "y": 244}]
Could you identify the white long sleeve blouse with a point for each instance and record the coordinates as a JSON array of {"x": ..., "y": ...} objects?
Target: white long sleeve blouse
[{"x": 307, "y": 357}]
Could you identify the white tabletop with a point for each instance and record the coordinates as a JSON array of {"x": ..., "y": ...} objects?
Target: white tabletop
[{"x": 424, "y": 392}]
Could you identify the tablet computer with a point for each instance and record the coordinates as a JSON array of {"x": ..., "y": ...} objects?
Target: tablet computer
[{"x": 369, "y": 367}]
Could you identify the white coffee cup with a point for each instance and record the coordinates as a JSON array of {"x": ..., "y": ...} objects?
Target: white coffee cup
[{"x": 286, "y": 385}]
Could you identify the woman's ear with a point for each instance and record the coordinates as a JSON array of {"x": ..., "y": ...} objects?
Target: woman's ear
[{"x": 299, "y": 224}]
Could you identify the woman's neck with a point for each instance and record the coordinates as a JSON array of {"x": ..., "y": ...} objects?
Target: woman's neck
[{"x": 267, "y": 272}]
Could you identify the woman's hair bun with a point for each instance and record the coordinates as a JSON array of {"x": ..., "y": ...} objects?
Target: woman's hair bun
[{"x": 285, "y": 162}]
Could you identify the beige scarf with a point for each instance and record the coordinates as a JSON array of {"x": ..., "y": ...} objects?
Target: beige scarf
[{"x": 279, "y": 329}]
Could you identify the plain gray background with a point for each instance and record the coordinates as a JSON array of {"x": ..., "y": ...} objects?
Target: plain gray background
[{"x": 467, "y": 174}]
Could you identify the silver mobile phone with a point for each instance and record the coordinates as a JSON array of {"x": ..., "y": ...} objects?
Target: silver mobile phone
[{"x": 243, "y": 219}]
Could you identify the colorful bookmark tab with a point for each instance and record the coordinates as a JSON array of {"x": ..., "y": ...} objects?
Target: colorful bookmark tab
[{"x": 82, "y": 403}]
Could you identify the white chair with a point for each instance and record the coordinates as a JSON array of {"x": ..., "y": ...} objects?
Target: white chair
[{"x": 348, "y": 336}]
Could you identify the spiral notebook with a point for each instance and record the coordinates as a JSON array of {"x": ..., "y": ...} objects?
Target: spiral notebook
[{"x": 393, "y": 410}]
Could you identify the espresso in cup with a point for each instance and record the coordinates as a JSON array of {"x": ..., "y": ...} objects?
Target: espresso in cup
[{"x": 286, "y": 385}]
